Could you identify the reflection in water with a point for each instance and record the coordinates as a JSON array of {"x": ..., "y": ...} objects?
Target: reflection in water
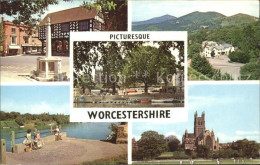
[
  {"x": 133, "y": 105},
  {"x": 95, "y": 131}
]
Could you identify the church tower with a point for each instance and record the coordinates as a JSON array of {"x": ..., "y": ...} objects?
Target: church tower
[{"x": 199, "y": 124}]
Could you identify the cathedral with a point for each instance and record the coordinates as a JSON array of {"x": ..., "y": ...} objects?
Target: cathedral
[{"x": 201, "y": 136}]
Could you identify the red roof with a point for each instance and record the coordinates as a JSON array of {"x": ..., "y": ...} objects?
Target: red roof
[{"x": 73, "y": 14}]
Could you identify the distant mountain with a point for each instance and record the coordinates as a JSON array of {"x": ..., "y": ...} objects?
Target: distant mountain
[
  {"x": 155, "y": 20},
  {"x": 197, "y": 20}
]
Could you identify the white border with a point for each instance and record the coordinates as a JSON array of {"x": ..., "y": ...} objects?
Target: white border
[{"x": 79, "y": 114}]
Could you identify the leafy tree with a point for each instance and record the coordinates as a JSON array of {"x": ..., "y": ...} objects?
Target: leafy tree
[
  {"x": 173, "y": 143},
  {"x": 194, "y": 48},
  {"x": 151, "y": 145},
  {"x": 202, "y": 65},
  {"x": 114, "y": 11},
  {"x": 212, "y": 53},
  {"x": 20, "y": 120},
  {"x": 239, "y": 56},
  {"x": 202, "y": 151},
  {"x": 250, "y": 71},
  {"x": 142, "y": 66},
  {"x": 113, "y": 134},
  {"x": 25, "y": 10},
  {"x": 2, "y": 36}
]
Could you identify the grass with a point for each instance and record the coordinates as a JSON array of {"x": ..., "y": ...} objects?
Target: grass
[
  {"x": 8, "y": 123},
  {"x": 117, "y": 160},
  {"x": 225, "y": 161}
]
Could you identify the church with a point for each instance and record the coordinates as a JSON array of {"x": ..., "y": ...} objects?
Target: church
[{"x": 201, "y": 136}]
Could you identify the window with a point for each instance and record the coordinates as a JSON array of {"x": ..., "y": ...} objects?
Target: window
[
  {"x": 13, "y": 40},
  {"x": 83, "y": 25},
  {"x": 65, "y": 27},
  {"x": 13, "y": 30},
  {"x": 26, "y": 40}
]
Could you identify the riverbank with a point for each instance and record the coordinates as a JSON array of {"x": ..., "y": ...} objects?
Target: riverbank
[{"x": 69, "y": 151}]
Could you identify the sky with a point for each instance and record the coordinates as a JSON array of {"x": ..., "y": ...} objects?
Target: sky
[
  {"x": 35, "y": 99},
  {"x": 232, "y": 111},
  {"x": 143, "y": 10}
]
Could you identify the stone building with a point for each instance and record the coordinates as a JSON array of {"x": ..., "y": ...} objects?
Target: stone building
[
  {"x": 66, "y": 21},
  {"x": 201, "y": 136},
  {"x": 19, "y": 39}
]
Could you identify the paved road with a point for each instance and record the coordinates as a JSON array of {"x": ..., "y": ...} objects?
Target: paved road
[
  {"x": 68, "y": 151},
  {"x": 19, "y": 68},
  {"x": 225, "y": 66}
]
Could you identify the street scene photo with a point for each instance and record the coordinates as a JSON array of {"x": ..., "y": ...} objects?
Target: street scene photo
[
  {"x": 34, "y": 36},
  {"x": 222, "y": 128},
  {"x": 35, "y": 129},
  {"x": 223, "y": 38},
  {"x": 128, "y": 74}
]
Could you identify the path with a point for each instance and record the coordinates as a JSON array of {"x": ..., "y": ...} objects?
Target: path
[
  {"x": 225, "y": 66},
  {"x": 68, "y": 151},
  {"x": 18, "y": 68}
]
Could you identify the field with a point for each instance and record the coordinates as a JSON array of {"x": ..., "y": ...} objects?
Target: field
[{"x": 225, "y": 161}]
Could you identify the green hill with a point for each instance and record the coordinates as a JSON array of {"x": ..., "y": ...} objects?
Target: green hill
[{"x": 196, "y": 21}]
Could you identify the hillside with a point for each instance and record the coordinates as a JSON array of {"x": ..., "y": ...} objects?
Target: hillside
[
  {"x": 155, "y": 20},
  {"x": 196, "y": 21}
]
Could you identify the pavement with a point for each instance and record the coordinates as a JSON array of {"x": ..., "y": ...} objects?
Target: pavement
[
  {"x": 222, "y": 63},
  {"x": 18, "y": 68},
  {"x": 68, "y": 151}
]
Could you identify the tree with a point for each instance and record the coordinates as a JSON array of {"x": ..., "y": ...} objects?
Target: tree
[
  {"x": 202, "y": 151},
  {"x": 212, "y": 53},
  {"x": 194, "y": 48},
  {"x": 173, "y": 143},
  {"x": 151, "y": 145},
  {"x": 143, "y": 66},
  {"x": 250, "y": 71},
  {"x": 202, "y": 65},
  {"x": 114, "y": 11},
  {"x": 20, "y": 120},
  {"x": 25, "y": 10},
  {"x": 113, "y": 134}
]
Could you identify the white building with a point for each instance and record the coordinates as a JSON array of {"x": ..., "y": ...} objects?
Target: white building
[{"x": 218, "y": 48}]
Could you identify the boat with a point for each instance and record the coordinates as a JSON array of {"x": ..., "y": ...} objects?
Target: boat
[
  {"x": 169, "y": 100},
  {"x": 145, "y": 101}
]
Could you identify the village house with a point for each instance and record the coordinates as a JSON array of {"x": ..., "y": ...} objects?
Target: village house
[
  {"x": 211, "y": 48},
  {"x": 66, "y": 21},
  {"x": 19, "y": 39}
]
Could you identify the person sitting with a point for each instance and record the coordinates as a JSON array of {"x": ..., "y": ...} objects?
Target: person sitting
[
  {"x": 28, "y": 139},
  {"x": 39, "y": 139},
  {"x": 57, "y": 134}
]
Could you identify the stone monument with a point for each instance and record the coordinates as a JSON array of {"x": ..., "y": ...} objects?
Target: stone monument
[{"x": 48, "y": 67}]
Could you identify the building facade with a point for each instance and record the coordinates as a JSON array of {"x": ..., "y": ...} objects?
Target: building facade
[
  {"x": 217, "y": 49},
  {"x": 19, "y": 39},
  {"x": 66, "y": 21},
  {"x": 201, "y": 136}
]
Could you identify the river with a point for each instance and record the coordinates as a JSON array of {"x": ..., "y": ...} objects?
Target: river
[{"x": 94, "y": 131}]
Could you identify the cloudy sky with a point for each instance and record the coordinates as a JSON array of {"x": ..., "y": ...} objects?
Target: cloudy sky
[
  {"x": 232, "y": 111},
  {"x": 145, "y": 9},
  {"x": 35, "y": 99}
]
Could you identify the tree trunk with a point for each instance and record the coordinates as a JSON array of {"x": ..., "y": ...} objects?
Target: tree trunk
[
  {"x": 114, "y": 89},
  {"x": 166, "y": 87},
  {"x": 145, "y": 88}
]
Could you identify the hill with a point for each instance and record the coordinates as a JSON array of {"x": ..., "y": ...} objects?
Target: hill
[
  {"x": 155, "y": 20},
  {"x": 196, "y": 21}
]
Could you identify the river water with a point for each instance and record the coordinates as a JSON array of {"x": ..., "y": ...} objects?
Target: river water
[
  {"x": 94, "y": 131},
  {"x": 134, "y": 105}
]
